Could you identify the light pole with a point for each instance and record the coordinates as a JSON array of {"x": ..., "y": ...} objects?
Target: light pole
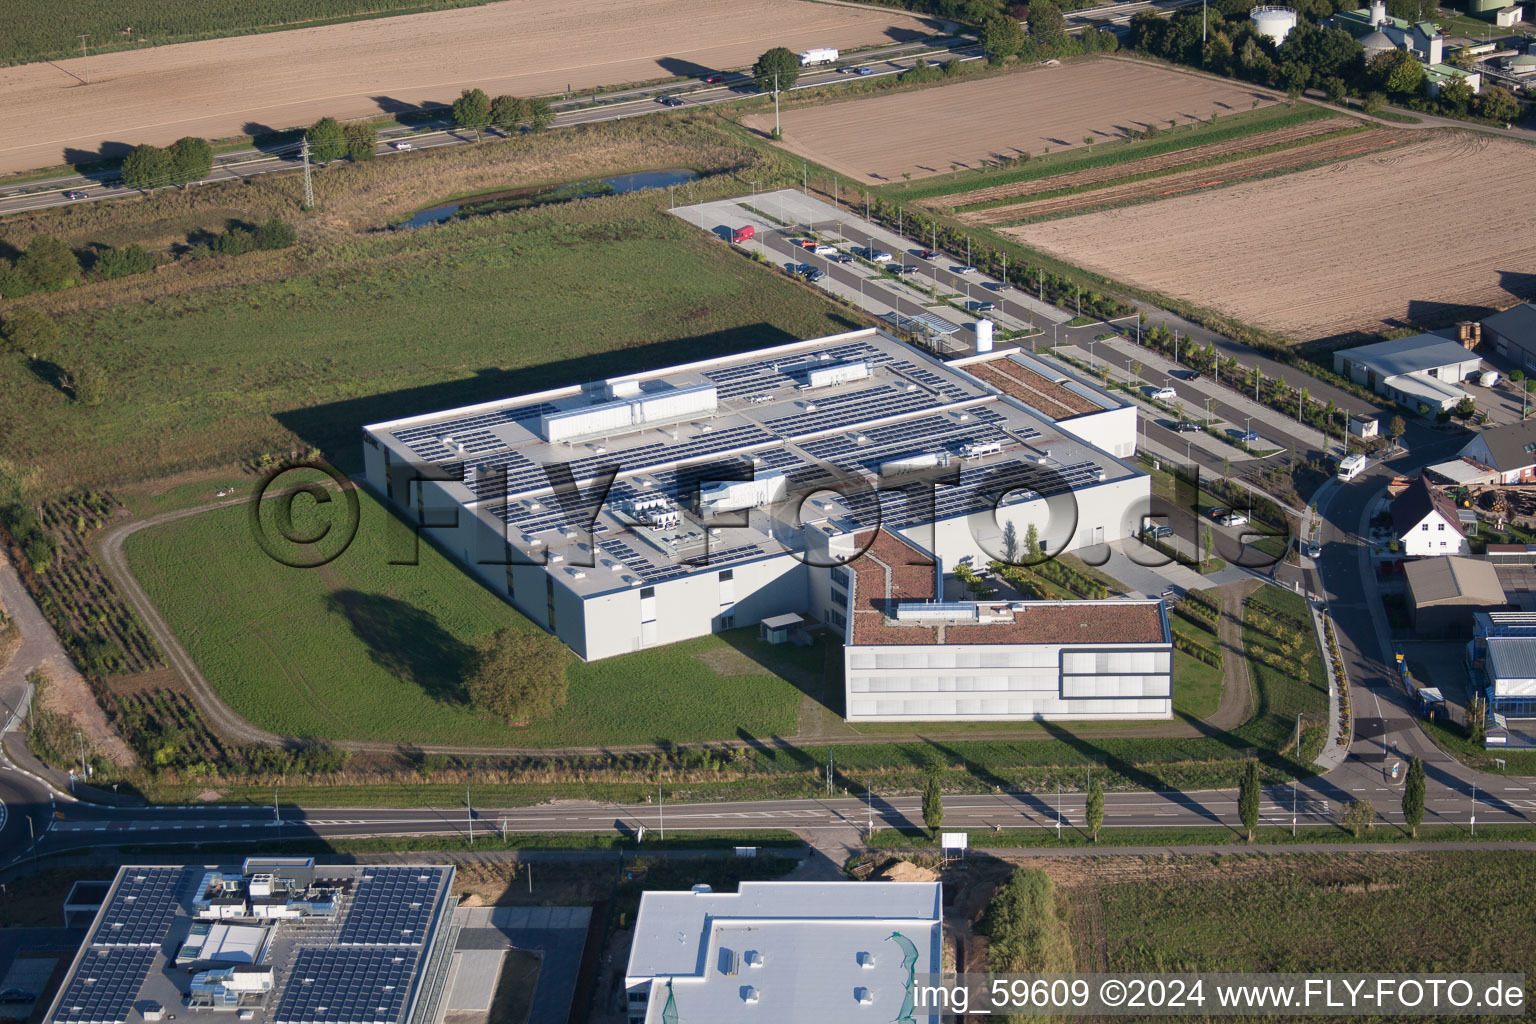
[
  {"x": 469, "y": 815},
  {"x": 777, "y": 132},
  {"x": 661, "y": 814},
  {"x": 1058, "y": 810},
  {"x": 1208, "y": 416},
  {"x": 1474, "y": 809},
  {"x": 1293, "y": 808},
  {"x": 85, "y": 57},
  {"x": 1249, "y": 429}
]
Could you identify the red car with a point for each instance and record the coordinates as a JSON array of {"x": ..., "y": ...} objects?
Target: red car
[
  {"x": 930, "y": 254},
  {"x": 714, "y": 79}
]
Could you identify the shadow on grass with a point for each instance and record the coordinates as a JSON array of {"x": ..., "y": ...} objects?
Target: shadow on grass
[{"x": 407, "y": 642}]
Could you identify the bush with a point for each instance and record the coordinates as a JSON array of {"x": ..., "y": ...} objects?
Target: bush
[
  {"x": 361, "y": 140},
  {"x": 275, "y": 234},
  {"x": 29, "y": 330},
  {"x": 114, "y": 263},
  {"x": 49, "y": 264},
  {"x": 235, "y": 242},
  {"x": 87, "y": 382}
]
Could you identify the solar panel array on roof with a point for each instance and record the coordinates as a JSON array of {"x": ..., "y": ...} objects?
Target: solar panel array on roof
[
  {"x": 104, "y": 988},
  {"x": 391, "y": 907},
  {"x": 945, "y": 388},
  {"x": 141, "y": 909},
  {"x": 981, "y": 488},
  {"x": 763, "y": 375},
  {"x": 347, "y": 986},
  {"x": 848, "y": 409}
]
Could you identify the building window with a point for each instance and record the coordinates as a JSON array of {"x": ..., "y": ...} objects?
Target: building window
[
  {"x": 549, "y": 599},
  {"x": 836, "y": 618},
  {"x": 646, "y": 592},
  {"x": 841, "y": 575},
  {"x": 1425, "y": 527},
  {"x": 727, "y": 622},
  {"x": 727, "y": 575},
  {"x": 839, "y": 597},
  {"x": 1441, "y": 527}
]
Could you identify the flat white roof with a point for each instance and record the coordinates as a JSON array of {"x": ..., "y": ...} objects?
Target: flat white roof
[{"x": 808, "y": 951}]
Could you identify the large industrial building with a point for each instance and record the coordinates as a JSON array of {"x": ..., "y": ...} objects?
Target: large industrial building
[
  {"x": 717, "y": 494},
  {"x": 276, "y": 937},
  {"x": 807, "y": 952},
  {"x": 1416, "y": 371}
]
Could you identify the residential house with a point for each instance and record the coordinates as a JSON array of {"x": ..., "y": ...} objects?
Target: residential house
[
  {"x": 1425, "y": 522},
  {"x": 1509, "y": 451}
]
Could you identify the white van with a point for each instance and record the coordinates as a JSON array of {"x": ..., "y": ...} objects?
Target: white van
[{"x": 1351, "y": 466}]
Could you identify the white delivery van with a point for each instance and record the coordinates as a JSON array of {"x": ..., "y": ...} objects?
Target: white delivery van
[
  {"x": 1351, "y": 466},
  {"x": 819, "y": 56}
]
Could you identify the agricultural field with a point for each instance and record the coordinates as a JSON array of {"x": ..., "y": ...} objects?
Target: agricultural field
[
  {"x": 224, "y": 88},
  {"x": 1336, "y": 912},
  {"x": 911, "y": 135},
  {"x": 296, "y": 348},
  {"x": 1268, "y": 252},
  {"x": 362, "y": 649}
]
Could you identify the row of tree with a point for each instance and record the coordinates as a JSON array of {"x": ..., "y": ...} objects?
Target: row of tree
[
  {"x": 185, "y": 160},
  {"x": 474, "y": 111},
  {"x": 1003, "y": 37}
]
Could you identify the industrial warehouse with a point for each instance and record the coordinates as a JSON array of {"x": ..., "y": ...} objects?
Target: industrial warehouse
[
  {"x": 720, "y": 494},
  {"x": 297, "y": 943}
]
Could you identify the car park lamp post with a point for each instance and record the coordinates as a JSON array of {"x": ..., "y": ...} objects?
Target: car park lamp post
[
  {"x": 1248, "y": 430},
  {"x": 1293, "y": 808},
  {"x": 1208, "y": 418}
]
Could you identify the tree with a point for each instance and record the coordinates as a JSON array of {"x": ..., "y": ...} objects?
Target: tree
[
  {"x": 1413, "y": 797},
  {"x": 1456, "y": 97},
  {"x": 146, "y": 167},
  {"x": 779, "y": 59},
  {"x": 508, "y": 113},
  {"x": 1010, "y": 543},
  {"x": 933, "y": 802},
  {"x": 1373, "y": 102},
  {"x": 1397, "y": 73},
  {"x": 518, "y": 675},
  {"x": 327, "y": 140},
  {"x": 1032, "y": 544},
  {"x": 49, "y": 264},
  {"x": 1335, "y": 87},
  {"x": 1210, "y": 544},
  {"x": 472, "y": 110},
  {"x": 275, "y": 234},
  {"x": 1397, "y": 426},
  {"x": 1477, "y": 719},
  {"x": 191, "y": 159},
  {"x": 1359, "y": 817},
  {"x": 540, "y": 114},
  {"x": 1497, "y": 104},
  {"x": 87, "y": 382},
  {"x": 1095, "y": 808},
  {"x": 362, "y": 139},
  {"x": 1003, "y": 37},
  {"x": 1248, "y": 797},
  {"x": 1047, "y": 26},
  {"x": 30, "y": 331}
]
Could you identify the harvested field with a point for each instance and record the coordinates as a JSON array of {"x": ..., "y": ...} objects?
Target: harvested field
[
  {"x": 1146, "y": 165},
  {"x": 1285, "y": 254},
  {"x": 1240, "y": 169},
  {"x": 970, "y": 123},
  {"x": 229, "y": 87}
]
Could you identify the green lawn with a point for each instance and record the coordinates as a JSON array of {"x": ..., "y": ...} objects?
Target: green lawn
[
  {"x": 388, "y": 324},
  {"x": 1281, "y": 693},
  {"x": 361, "y": 649}
]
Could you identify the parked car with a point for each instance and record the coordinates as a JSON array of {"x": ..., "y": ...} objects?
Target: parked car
[
  {"x": 1191, "y": 375},
  {"x": 74, "y": 193},
  {"x": 864, "y": 71},
  {"x": 929, "y": 254},
  {"x": 825, "y": 250},
  {"x": 1157, "y": 530},
  {"x": 815, "y": 275},
  {"x": 965, "y": 270},
  {"x": 880, "y": 256},
  {"x": 1188, "y": 427},
  {"x": 403, "y": 147},
  {"x": 1217, "y": 512},
  {"x": 1314, "y": 549},
  {"x": 806, "y": 243},
  {"x": 905, "y": 270},
  {"x": 841, "y": 257},
  {"x": 981, "y": 307},
  {"x": 1248, "y": 436},
  {"x": 804, "y": 268},
  {"x": 1165, "y": 394},
  {"x": 1233, "y": 519}
]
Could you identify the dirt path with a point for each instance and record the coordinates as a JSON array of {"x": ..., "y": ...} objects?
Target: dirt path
[
  {"x": 1236, "y": 705},
  {"x": 67, "y": 693}
]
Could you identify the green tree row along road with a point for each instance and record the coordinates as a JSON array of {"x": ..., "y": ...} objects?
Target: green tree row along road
[{"x": 186, "y": 160}]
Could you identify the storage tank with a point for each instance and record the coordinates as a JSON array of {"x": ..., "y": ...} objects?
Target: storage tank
[
  {"x": 1273, "y": 23},
  {"x": 983, "y": 335}
]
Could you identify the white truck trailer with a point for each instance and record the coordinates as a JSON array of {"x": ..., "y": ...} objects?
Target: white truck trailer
[{"x": 821, "y": 56}]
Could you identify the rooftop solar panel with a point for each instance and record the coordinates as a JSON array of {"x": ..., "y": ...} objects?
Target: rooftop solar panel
[
  {"x": 391, "y": 907},
  {"x": 105, "y": 986},
  {"x": 347, "y": 986},
  {"x": 141, "y": 909}
]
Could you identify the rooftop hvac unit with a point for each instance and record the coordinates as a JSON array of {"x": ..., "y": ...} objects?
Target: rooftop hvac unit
[
  {"x": 810, "y": 406},
  {"x": 753, "y": 958},
  {"x": 864, "y": 996},
  {"x": 624, "y": 388},
  {"x": 730, "y": 964},
  {"x": 978, "y": 449},
  {"x": 867, "y": 960},
  {"x": 842, "y": 373},
  {"x": 749, "y": 995}
]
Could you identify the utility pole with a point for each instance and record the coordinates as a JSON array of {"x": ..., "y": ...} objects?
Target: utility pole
[
  {"x": 309, "y": 188},
  {"x": 469, "y": 815},
  {"x": 869, "y": 800},
  {"x": 1474, "y": 809},
  {"x": 1202, "y": 22},
  {"x": 1293, "y": 808},
  {"x": 829, "y": 773},
  {"x": 777, "y": 131},
  {"x": 805, "y": 179},
  {"x": 530, "y": 879},
  {"x": 1058, "y": 810},
  {"x": 277, "y": 818},
  {"x": 661, "y": 814},
  {"x": 86, "y": 57}
]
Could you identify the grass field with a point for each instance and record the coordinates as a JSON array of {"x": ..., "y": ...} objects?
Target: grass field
[
  {"x": 1298, "y": 683},
  {"x": 218, "y": 363},
  {"x": 361, "y": 649}
]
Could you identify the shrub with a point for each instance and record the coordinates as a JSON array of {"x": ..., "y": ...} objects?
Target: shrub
[
  {"x": 29, "y": 330},
  {"x": 234, "y": 242},
  {"x": 275, "y": 234},
  {"x": 49, "y": 264},
  {"x": 134, "y": 259},
  {"x": 361, "y": 140}
]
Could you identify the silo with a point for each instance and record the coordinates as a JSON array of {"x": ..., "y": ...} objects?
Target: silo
[
  {"x": 983, "y": 335},
  {"x": 1273, "y": 23}
]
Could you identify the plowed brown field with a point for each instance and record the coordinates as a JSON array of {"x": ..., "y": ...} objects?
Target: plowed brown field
[
  {"x": 1362, "y": 244},
  {"x": 1148, "y": 164},
  {"x": 924, "y": 132},
  {"x": 227, "y": 87},
  {"x": 1349, "y": 145}
]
